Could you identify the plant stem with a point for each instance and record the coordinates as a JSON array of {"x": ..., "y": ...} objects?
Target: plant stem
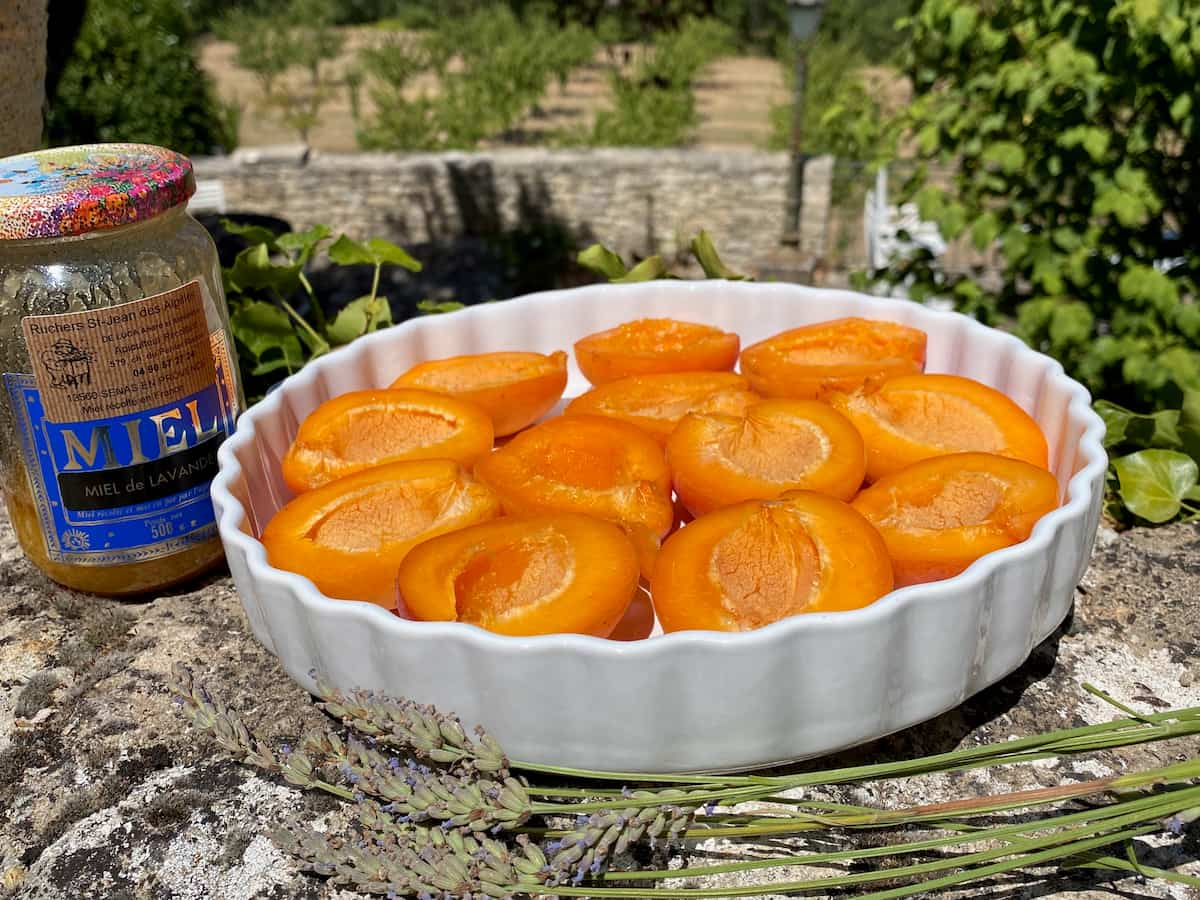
[
  {"x": 318, "y": 312},
  {"x": 1149, "y": 807}
]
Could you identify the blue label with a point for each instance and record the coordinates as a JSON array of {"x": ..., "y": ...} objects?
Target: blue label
[{"x": 128, "y": 488}]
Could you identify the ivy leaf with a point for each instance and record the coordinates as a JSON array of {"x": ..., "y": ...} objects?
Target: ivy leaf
[
  {"x": 1159, "y": 430},
  {"x": 710, "y": 261},
  {"x": 602, "y": 261},
  {"x": 251, "y": 234},
  {"x": 1153, "y": 483},
  {"x": 303, "y": 243},
  {"x": 1189, "y": 424},
  {"x": 252, "y": 269},
  {"x": 435, "y": 307},
  {"x": 346, "y": 251},
  {"x": 266, "y": 331},
  {"x": 648, "y": 269}
]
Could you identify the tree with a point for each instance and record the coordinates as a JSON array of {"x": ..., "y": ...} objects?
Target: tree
[{"x": 1074, "y": 127}]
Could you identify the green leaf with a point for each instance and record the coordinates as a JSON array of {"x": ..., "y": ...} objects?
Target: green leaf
[
  {"x": 1145, "y": 11},
  {"x": 1181, "y": 108},
  {"x": 602, "y": 261},
  {"x": 985, "y": 230},
  {"x": 303, "y": 243},
  {"x": 435, "y": 307},
  {"x": 710, "y": 261},
  {"x": 1071, "y": 323},
  {"x": 358, "y": 317},
  {"x": 346, "y": 251},
  {"x": 648, "y": 269},
  {"x": 1189, "y": 424},
  {"x": 1094, "y": 140},
  {"x": 962, "y": 25},
  {"x": 252, "y": 269},
  {"x": 252, "y": 234},
  {"x": 1153, "y": 483},
  {"x": 1158, "y": 430},
  {"x": 1008, "y": 155},
  {"x": 266, "y": 331},
  {"x": 1147, "y": 284}
]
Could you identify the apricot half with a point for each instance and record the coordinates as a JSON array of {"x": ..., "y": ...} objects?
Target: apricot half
[
  {"x": 842, "y": 355},
  {"x": 515, "y": 389},
  {"x": 649, "y": 346},
  {"x": 350, "y": 536},
  {"x": 940, "y": 515},
  {"x": 656, "y": 403},
  {"x": 362, "y": 429},
  {"x": 588, "y": 465},
  {"x": 915, "y": 417},
  {"x": 755, "y": 563},
  {"x": 778, "y": 445},
  {"x": 550, "y": 574}
]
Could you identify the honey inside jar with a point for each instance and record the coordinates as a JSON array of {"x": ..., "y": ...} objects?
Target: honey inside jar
[{"x": 117, "y": 365}]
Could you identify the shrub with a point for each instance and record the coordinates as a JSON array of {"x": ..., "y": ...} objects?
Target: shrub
[
  {"x": 1075, "y": 130},
  {"x": 655, "y": 105},
  {"x": 491, "y": 66},
  {"x": 132, "y": 76}
]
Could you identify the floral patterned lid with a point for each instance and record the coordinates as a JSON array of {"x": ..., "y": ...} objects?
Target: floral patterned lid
[{"x": 68, "y": 191}]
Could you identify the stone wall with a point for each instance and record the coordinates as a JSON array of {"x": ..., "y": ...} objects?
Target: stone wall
[{"x": 636, "y": 201}]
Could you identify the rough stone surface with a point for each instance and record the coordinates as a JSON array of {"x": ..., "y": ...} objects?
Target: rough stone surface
[
  {"x": 106, "y": 793},
  {"x": 636, "y": 201}
]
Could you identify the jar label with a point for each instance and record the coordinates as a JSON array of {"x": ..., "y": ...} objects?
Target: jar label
[{"x": 120, "y": 424}]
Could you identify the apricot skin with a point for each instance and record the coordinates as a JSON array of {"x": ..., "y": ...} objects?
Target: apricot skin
[
  {"x": 754, "y": 563},
  {"x": 515, "y": 389},
  {"x": 838, "y": 355},
  {"x": 657, "y": 403},
  {"x": 362, "y": 429},
  {"x": 940, "y": 515},
  {"x": 560, "y": 574},
  {"x": 719, "y": 460},
  {"x": 914, "y": 417},
  {"x": 349, "y": 536},
  {"x": 589, "y": 465},
  {"x": 650, "y": 346}
]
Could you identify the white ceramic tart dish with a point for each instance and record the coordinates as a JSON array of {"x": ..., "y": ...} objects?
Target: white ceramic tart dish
[{"x": 800, "y": 687}]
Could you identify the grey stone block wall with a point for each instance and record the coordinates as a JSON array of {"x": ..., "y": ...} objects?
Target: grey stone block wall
[{"x": 635, "y": 201}]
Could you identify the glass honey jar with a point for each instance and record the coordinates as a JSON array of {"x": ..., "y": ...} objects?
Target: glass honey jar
[{"x": 119, "y": 376}]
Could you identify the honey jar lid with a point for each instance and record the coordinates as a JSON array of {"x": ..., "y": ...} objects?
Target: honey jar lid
[{"x": 66, "y": 191}]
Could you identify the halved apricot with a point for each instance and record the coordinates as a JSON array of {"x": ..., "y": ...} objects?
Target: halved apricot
[
  {"x": 650, "y": 346},
  {"x": 778, "y": 445},
  {"x": 563, "y": 573},
  {"x": 515, "y": 389},
  {"x": 656, "y": 403},
  {"x": 588, "y": 465},
  {"x": 362, "y": 429},
  {"x": 842, "y": 355},
  {"x": 940, "y": 515},
  {"x": 752, "y": 564},
  {"x": 349, "y": 536},
  {"x": 904, "y": 420}
]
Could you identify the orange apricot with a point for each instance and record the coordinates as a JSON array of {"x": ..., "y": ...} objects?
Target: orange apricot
[
  {"x": 515, "y": 389},
  {"x": 563, "y": 573},
  {"x": 940, "y": 515},
  {"x": 585, "y": 464},
  {"x": 650, "y": 346},
  {"x": 362, "y": 429},
  {"x": 904, "y": 420},
  {"x": 755, "y": 563},
  {"x": 842, "y": 355},
  {"x": 349, "y": 536},
  {"x": 656, "y": 403},
  {"x": 778, "y": 445}
]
